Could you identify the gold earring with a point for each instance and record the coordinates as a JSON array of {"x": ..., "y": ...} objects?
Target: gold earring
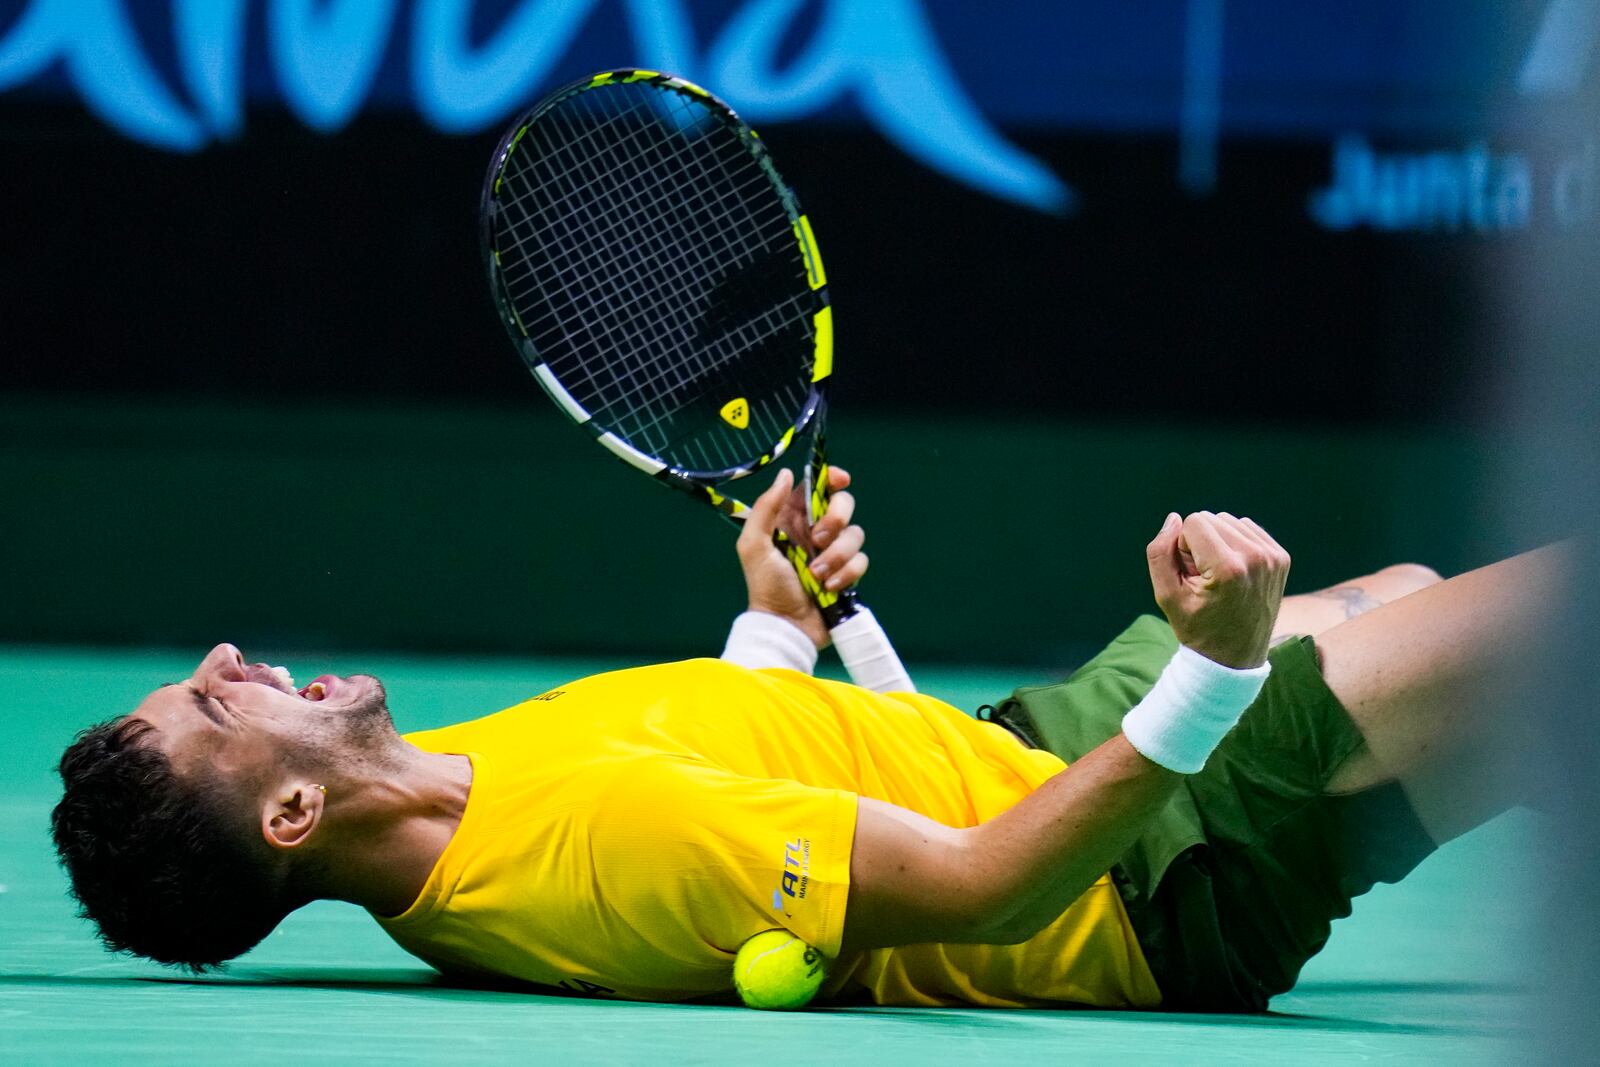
[{"x": 323, "y": 788}]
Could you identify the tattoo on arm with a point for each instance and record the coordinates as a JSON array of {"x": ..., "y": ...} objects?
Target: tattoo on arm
[{"x": 1355, "y": 599}]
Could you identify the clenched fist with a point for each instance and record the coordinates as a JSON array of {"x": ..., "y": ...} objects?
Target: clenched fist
[{"x": 1219, "y": 580}]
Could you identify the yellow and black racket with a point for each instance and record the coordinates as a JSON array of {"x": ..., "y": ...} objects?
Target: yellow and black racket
[{"x": 659, "y": 279}]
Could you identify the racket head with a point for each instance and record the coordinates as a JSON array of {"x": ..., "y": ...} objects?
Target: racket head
[{"x": 658, "y": 277}]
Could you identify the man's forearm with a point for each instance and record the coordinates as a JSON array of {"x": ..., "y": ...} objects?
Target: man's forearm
[
  {"x": 1040, "y": 856},
  {"x": 1007, "y": 878},
  {"x": 1058, "y": 840},
  {"x": 916, "y": 880}
]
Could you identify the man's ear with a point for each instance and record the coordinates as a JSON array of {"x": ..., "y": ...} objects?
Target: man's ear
[{"x": 291, "y": 814}]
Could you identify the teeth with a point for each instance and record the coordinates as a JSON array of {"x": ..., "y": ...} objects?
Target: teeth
[{"x": 316, "y": 691}]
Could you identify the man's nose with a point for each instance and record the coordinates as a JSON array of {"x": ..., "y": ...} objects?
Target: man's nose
[{"x": 225, "y": 661}]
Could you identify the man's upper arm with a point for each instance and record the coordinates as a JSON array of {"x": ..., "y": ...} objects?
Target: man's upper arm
[{"x": 912, "y": 881}]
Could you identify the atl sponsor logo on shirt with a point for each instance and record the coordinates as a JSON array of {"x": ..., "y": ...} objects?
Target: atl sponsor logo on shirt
[{"x": 796, "y": 874}]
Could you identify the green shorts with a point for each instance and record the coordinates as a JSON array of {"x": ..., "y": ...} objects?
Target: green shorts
[{"x": 1235, "y": 883}]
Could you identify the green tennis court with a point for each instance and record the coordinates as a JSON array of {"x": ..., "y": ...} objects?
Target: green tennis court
[{"x": 1430, "y": 971}]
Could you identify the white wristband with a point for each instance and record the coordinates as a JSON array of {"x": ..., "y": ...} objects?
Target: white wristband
[
  {"x": 1194, "y": 703},
  {"x": 868, "y": 655},
  {"x": 758, "y": 639}
]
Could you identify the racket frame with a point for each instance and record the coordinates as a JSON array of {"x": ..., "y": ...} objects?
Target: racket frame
[{"x": 702, "y": 485}]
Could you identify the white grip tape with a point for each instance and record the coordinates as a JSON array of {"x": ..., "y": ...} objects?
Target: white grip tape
[
  {"x": 758, "y": 640},
  {"x": 868, "y": 655},
  {"x": 1192, "y": 706}
]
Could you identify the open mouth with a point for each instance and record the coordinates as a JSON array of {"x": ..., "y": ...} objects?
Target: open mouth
[
  {"x": 277, "y": 678},
  {"x": 280, "y": 679}
]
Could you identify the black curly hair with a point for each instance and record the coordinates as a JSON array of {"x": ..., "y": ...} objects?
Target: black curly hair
[{"x": 154, "y": 861}]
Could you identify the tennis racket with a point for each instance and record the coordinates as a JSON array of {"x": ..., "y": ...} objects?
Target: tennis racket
[{"x": 660, "y": 281}]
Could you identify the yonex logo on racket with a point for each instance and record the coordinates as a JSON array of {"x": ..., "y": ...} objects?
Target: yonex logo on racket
[{"x": 736, "y": 413}]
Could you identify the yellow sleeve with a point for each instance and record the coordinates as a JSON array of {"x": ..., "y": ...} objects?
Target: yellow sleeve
[{"x": 694, "y": 857}]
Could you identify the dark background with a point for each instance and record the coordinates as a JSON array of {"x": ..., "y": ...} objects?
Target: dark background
[
  {"x": 348, "y": 267},
  {"x": 252, "y": 387}
]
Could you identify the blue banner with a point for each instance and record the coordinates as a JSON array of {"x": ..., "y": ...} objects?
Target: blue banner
[{"x": 954, "y": 85}]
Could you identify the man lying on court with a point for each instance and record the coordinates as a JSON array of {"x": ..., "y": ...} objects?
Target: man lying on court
[{"x": 624, "y": 834}]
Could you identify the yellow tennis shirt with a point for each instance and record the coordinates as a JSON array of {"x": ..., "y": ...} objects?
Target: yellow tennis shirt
[{"x": 627, "y": 832}]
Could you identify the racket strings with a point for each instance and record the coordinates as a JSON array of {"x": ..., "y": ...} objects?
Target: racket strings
[
  {"x": 749, "y": 177},
  {"x": 617, "y": 317},
  {"x": 703, "y": 376},
  {"x": 579, "y": 204},
  {"x": 628, "y": 238},
  {"x": 579, "y": 220},
  {"x": 697, "y": 269},
  {"x": 673, "y": 329},
  {"x": 573, "y": 226},
  {"x": 646, "y": 333}
]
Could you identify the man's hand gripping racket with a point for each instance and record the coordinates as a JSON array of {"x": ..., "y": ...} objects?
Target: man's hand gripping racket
[
  {"x": 790, "y": 562},
  {"x": 786, "y": 573}
]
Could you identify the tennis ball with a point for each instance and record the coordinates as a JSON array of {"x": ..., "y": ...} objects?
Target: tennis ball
[{"x": 776, "y": 971}]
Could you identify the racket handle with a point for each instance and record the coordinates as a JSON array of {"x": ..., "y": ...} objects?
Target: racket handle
[
  {"x": 844, "y": 606},
  {"x": 836, "y": 607},
  {"x": 868, "y": 655}
]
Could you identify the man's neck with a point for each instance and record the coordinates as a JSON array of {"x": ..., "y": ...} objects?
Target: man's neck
[{"x": 390, "y": 829}]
